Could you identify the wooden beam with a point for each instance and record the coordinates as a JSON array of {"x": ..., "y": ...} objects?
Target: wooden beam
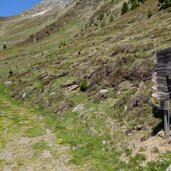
[
  {"x": 161, "y": 88},
  {"x": 162, "y": 73},
  {"x": 161, "y": 95},
  {"x": 159, "y": 80},
  {"x": 164, "y": 105},
  {"x": 166, "y": 58},
  {"x": 163, "y": 52}
]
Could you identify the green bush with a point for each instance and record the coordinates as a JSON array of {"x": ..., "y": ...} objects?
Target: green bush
[
  {"x": 124, "y": 8},
  {"x": 111, "y": 19},
  {"x": 134, "y": 5},
  {"x": 131, "y": 5},
  {"x": 103, "y": 24},
  {"x": 100, "y": 17},
  {"x": 95, "y": 24},
  {"x": 4, "y": 46},
  {"x": 62, "y": 44},
  {"x": 150, "y": 13},
  {"x": 83, "y": 85},
  {"x": 141, "y": 1},
  {"x": 132, "y": 1},
  {"x": 91, "y": 22},
  {"x": 163, "y": 4}
]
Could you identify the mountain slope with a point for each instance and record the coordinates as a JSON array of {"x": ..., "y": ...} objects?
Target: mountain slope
[
  {"x": 93, "y": 76},
  {"x": 30, "y": 21}
]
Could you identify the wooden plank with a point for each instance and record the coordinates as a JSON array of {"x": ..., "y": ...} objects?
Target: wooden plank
[
  {"x": 161, "y": 57},
  {"x": 154, "y": 74},
  {"x": 158, "y": 69},
  {"x": 164, "y": 58},
  {"x": 160, "y": 80},
  {"x": 163, "y": 61},
  {"x": 164, "y": 66},
  {"x": 160, "y": 88},
  {"x": 161, "y": 96},
  {"x": 165, "y": 74},
  {"x": 161, "y": 65},
  {"x": 162, "y": 72},
  {"x": 163, "y": 52},
  {"x": 159, "y": 77}
]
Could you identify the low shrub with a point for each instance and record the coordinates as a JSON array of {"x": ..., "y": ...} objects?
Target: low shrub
[
  {"x": 150, "y": 13},
  {"x": 83, "y": 85},
  {"x": 125, "y": 8}
]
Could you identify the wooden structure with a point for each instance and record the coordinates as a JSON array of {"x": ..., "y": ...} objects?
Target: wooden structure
[{"x": 162, "y": 88}]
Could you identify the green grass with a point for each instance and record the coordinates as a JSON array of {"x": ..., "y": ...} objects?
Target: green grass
[
  {"x": 34, "y": 132},
  {"x": 39, "y": 147},
  {"x": 86, "y": 147},
  {"x": 89, "y": 148}
]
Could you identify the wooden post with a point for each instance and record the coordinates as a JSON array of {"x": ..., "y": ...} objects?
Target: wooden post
[
  {"x": 162, "y": 87},
  {"x": 164, "y": 104}
]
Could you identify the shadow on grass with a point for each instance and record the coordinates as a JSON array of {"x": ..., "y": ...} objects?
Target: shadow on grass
[{"x": 158, "y": 113}]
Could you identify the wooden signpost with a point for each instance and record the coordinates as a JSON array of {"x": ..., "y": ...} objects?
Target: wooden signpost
[{"x": 162, "y": 85}]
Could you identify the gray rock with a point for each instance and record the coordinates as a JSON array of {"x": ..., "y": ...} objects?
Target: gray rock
[
  {"x": 161, "y": 134},
  {"x": 48, "y": 103},
  {"x": 51, "y": 94},
  {"x": 24, "y": 96},
  {"x": 27, "y": 91},
  {"x": 73, "y": 87},
  {"x": 7, "y": 83},
  {"x": 169, "y": 168},
  {"x": 79, "y": 108},
  {"x": 104, "y": 92}
]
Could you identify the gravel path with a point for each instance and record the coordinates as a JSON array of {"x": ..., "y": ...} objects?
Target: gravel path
[{"x": 26, "y": 144}]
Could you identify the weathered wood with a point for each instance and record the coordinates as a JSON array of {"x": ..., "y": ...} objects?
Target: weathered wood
[
  {"x": 164, "y": 66},
  {"x": 163, "y": 52},
  {"x": 161, "y": 88},
  {"x": 162, "y": 57},
  {"x": 164, "y": 105},
  {"x": 160, "y": 80},
  {"x": 165, "y": 70},
  {"x": 164, "y": 63},
  {"x": 161, "y": 96},
  {"x": 162, "y": 73}
]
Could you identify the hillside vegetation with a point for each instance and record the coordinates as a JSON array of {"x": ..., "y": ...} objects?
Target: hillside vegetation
[{"x": 87, "y": 69}]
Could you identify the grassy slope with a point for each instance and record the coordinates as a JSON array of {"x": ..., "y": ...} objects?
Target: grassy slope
[{"x": 118, "y": 57}]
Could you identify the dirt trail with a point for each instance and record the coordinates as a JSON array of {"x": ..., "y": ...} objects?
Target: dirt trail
[{"x": 26, "y": 143}]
